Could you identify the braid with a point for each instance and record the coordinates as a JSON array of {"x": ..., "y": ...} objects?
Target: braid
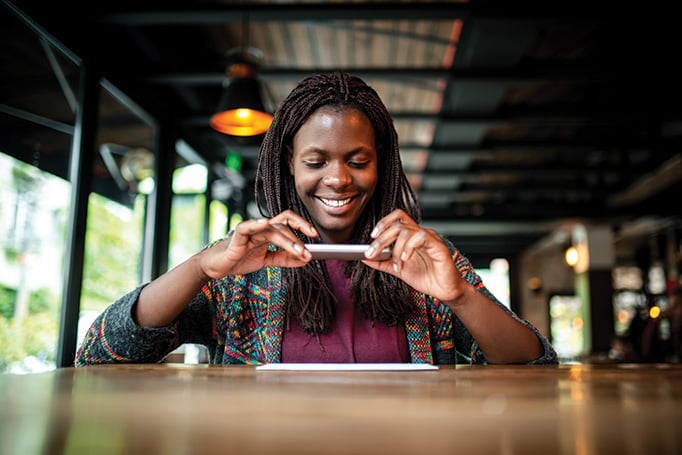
[{"x": 380, "y": 296}]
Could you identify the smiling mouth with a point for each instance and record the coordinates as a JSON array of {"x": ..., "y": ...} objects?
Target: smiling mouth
[{"x": 335, "y": 202}]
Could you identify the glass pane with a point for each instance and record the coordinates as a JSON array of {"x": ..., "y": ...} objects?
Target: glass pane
[
  {"x": 190, "y": 179},
  {"x": 37, "y": 116},
  {"x": 567, "y": 326},
  {"x": 496, "y": 279},
  {"x": 112, "y": 259},
  {"x": 187, "y": 235},
  {"x": 627, "y": 306},
  {"x": 187, "y": 212},
  {"x": 187, "y": 227},
  {"x": 123, "y": 175},
  {"x": 33, "y": 213},
  {"x": 218, "y": 223}
]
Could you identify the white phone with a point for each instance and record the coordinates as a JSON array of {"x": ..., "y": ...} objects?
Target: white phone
[{"x": 343, "y": 251}]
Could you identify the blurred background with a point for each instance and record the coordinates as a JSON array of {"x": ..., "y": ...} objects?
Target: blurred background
[{"x": 542, "y": 139}]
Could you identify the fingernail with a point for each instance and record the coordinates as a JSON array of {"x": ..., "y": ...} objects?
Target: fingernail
[
  {"x": 403, "y": 256},
  {"x": 375, "y": 231},
  {"x": 395, "y": 267},
  {"x": 298, "y": 248},
  {"x": 370, "y": 251}
]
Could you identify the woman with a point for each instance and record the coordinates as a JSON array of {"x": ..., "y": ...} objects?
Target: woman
[{"x": 329, "y": 172}]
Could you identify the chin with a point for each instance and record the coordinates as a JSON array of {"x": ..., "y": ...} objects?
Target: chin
[{"x": 335, "y": 230}]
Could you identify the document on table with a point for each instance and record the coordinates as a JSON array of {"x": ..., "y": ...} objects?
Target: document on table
[{"x": 346, "y": 367}]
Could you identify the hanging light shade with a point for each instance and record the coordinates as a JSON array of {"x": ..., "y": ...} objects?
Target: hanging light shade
[{"x": 243, "y": 109}]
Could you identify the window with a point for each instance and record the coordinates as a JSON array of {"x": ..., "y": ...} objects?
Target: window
[
  {"x": 567, "y": 326},
  {"x": 35, "y": 147},
  {"x": 33, "y": 210}
]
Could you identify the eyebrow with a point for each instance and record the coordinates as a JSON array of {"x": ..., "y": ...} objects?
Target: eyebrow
[{"x": 355, "y": 151}]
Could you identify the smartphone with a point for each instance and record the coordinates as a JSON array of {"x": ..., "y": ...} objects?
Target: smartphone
[{"x": 343, "y": 251}]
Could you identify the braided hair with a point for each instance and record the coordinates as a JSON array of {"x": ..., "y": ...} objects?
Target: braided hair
[{"x": 380, "y": 296}]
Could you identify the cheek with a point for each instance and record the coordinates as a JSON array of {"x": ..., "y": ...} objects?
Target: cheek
[
  {"x": 369, "y": 180},
  {"x": 303, "y": 182}
]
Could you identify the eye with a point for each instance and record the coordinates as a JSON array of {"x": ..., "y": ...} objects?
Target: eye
[
  {"x": 358, "y": 164},
  {"x": 313, "y": 164}
]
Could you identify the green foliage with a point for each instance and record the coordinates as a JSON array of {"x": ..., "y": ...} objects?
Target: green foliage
[
  {"x": 39, "y": 301},
  {"x": 12, "y": 254},
  {"x": 186, "y": 234},
  {"x": 34, "y": 335},
  {"x": 42, "y": 300},
  {"x": 7, "y": 298},
  {"x": 25, "y": 178},
  {"x": 113, "y": 245}
]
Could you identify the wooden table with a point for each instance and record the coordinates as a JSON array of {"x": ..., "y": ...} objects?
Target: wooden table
[{"x": 186, "y": 409}]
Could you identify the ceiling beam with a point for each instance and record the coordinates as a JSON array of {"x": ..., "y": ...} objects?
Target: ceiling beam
[
  {"x": 666, "y": 175},
  {"x": 500, "y": 75},
  {"x": 577, "y": 146},
  {"x": 518, "y": 191},
  {"x": 323, "y": 12},
  {"x": 494, "y": 120},
  {"x": 535, "y": 172},
  {"x": 472, "y": 228}
]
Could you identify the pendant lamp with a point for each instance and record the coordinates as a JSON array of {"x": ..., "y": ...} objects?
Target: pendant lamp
[{"x": 244, "y": 108}]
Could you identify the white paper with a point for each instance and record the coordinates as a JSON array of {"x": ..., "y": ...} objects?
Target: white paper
[{"x": 347, "y": 367}]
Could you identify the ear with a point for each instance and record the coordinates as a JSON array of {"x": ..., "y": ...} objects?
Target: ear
[{"x": 290, "y": 159}]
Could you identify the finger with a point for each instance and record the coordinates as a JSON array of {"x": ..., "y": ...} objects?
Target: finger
[
  {"x": 295, "y": 221},
  {"x": 284, "y": 259},
  {"x": 261, "y": 231},
  {"x": 283, "y": 237},
  {"x": 388, "y": 237},
  {"x": 390, "y": 232},
  {"x": 418, "y": 240},
  {"x": 382, "y": 266},
  {"x": 246, "y": 229},
  {"x": 404, "y": 234},
  {"x": 395, "y": 216}
]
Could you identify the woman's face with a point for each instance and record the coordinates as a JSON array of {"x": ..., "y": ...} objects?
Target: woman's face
[{"x": 334, "y": 166}]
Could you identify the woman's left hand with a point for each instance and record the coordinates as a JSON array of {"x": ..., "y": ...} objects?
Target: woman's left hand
[
  {"x": 419, "y": 257},
  {"x": 422, "y": 260}
]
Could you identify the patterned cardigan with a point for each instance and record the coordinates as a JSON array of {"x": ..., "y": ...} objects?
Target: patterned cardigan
[{"x": 241, "y": 319}]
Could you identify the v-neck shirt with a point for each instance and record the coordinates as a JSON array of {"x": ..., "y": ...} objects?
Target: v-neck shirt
[{"x": 353, "y": 338}]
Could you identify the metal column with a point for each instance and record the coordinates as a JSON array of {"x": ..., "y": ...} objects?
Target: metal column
[
  {"x": 80, "y": 176},
  {"x": 158, "y": 213}
]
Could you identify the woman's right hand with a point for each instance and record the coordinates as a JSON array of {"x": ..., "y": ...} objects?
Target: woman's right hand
[{"x": 246, "y": 250}]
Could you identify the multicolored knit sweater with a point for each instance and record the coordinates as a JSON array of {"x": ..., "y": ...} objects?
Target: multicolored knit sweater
[{"x": 241, "y": 319}]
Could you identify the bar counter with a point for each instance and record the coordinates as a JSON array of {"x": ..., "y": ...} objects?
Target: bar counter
[{"x": 187, "y": 409}]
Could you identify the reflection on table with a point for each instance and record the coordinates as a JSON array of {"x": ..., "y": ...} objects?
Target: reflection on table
[{"x": 182, "y": 409}]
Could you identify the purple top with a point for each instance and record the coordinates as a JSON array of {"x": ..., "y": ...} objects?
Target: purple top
[{"x": 353, "y": 338}]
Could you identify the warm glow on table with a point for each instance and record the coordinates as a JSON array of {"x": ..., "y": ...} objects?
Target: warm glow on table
[{"x": 184, "y": 409}]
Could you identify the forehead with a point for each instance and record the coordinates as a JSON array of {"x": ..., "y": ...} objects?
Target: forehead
[
  {"x": 335, "y": 130},
  {"x": 328, "y": 115}
]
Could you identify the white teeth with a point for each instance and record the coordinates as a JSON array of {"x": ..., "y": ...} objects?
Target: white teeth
[{"x": 334, "y": 202}]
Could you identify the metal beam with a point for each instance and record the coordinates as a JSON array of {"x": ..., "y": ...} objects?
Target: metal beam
[
  {"x": 327, "y": 12},
  {"x": 536, "y": 172},
  {"x": 37, "y": 119},
  {"x": 321, "y": 12},
  {"x": 403, "y": 74},
  {"x": 547, "y": 118}
]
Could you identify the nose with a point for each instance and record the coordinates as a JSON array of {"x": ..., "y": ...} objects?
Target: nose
[{"x": 338, "y": 176}]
